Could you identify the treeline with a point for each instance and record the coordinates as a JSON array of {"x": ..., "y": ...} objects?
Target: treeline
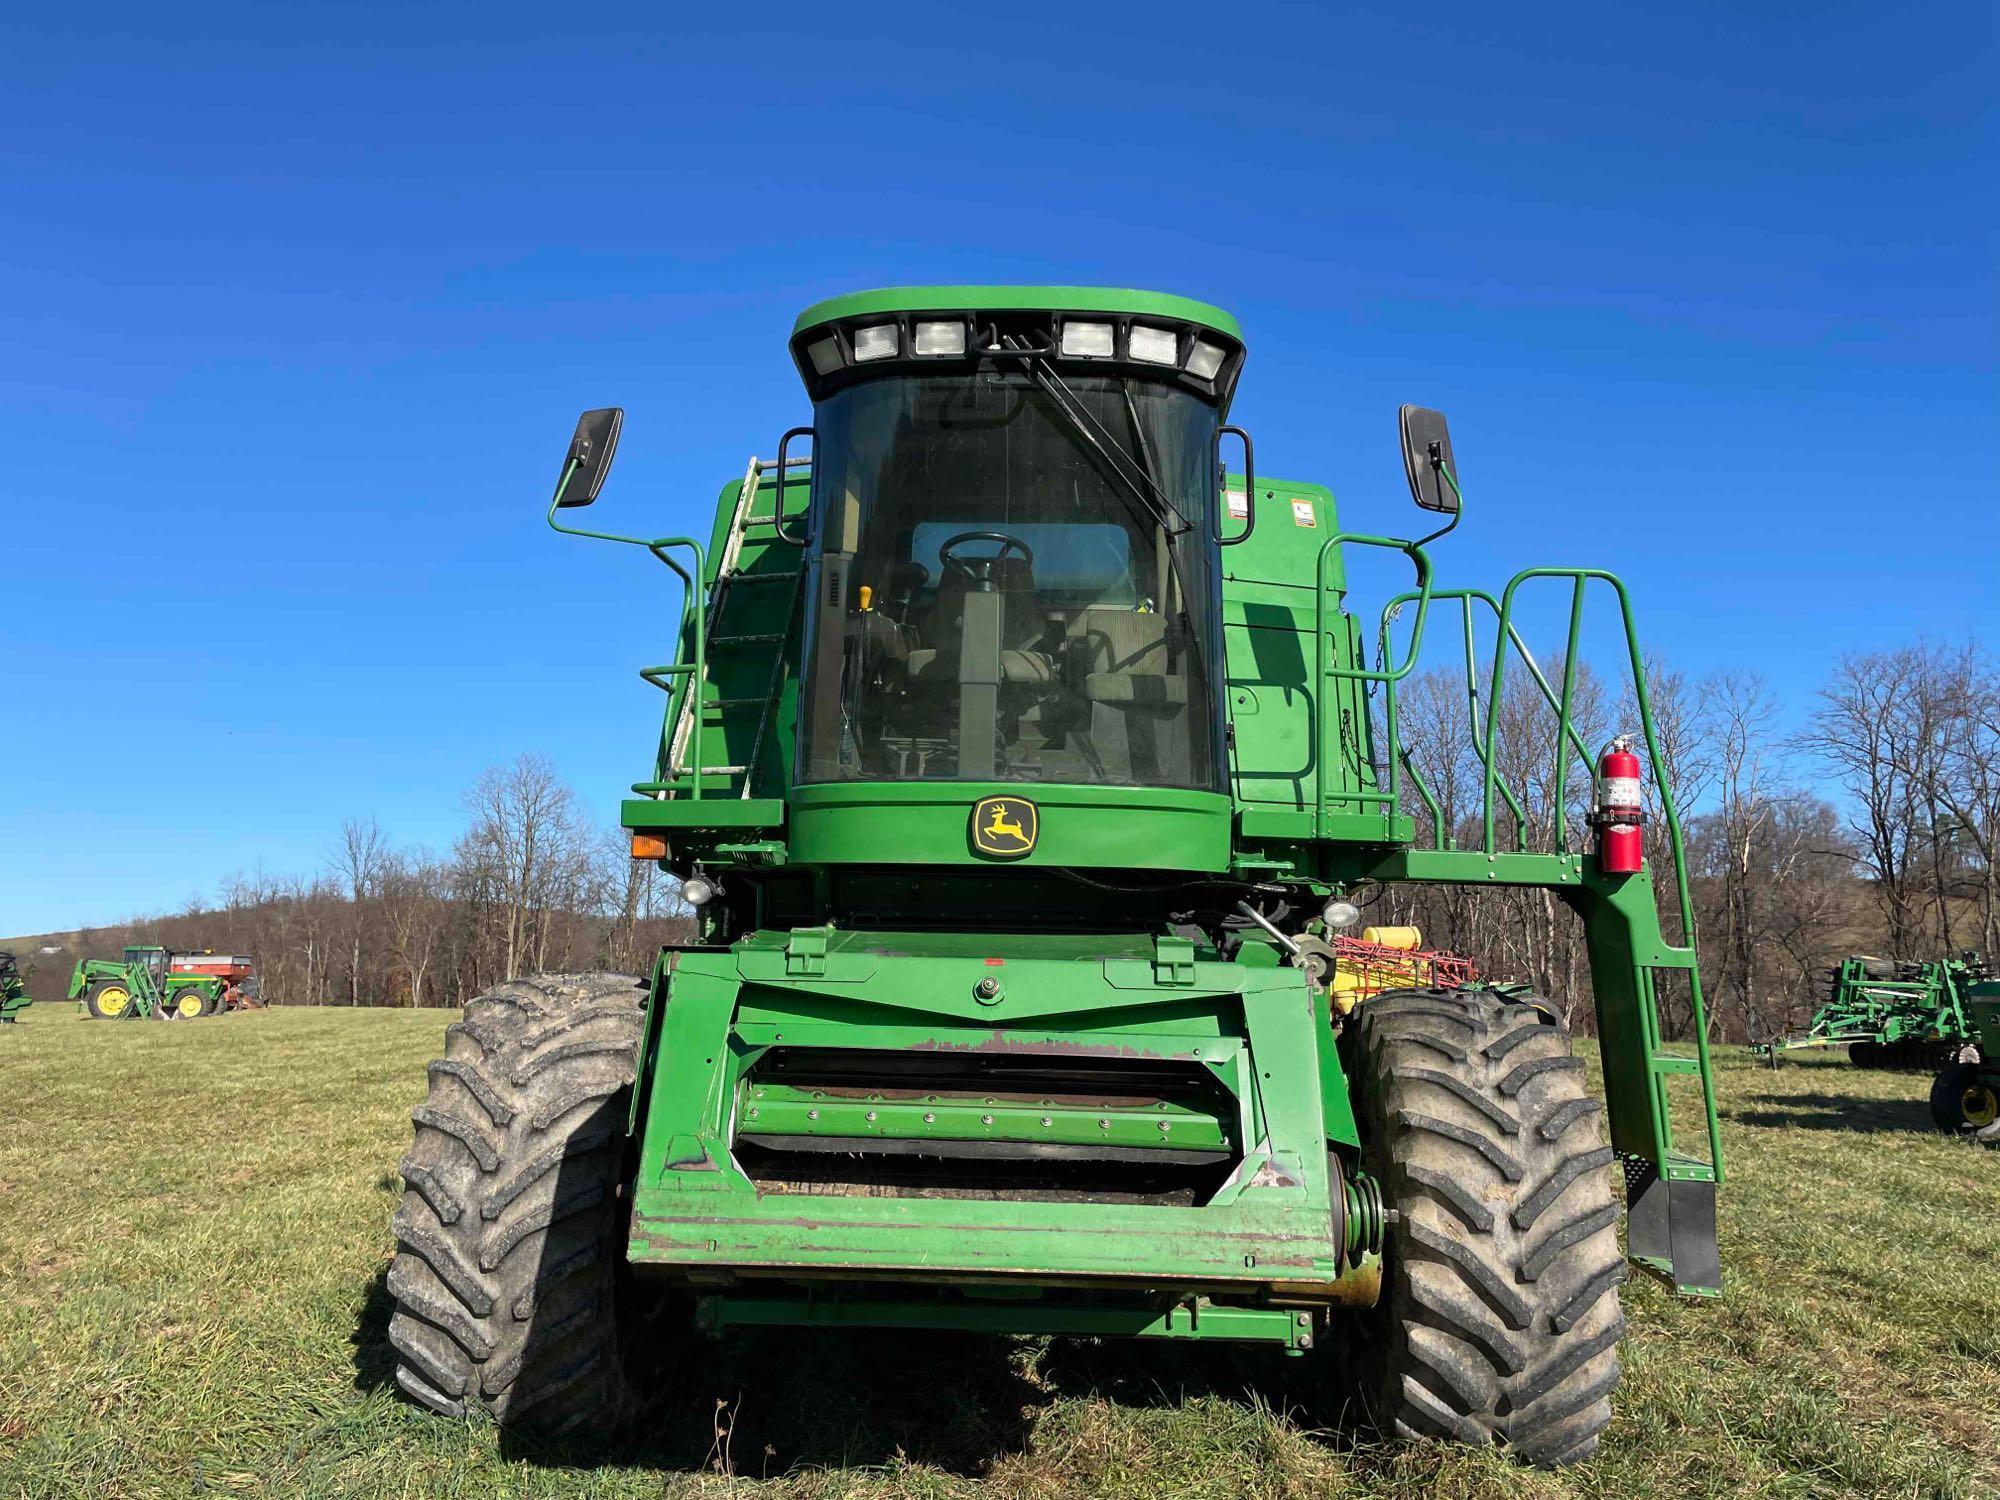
[
  {"x": 1870, "y": 829},
  {"x": 532, "y": 884}
]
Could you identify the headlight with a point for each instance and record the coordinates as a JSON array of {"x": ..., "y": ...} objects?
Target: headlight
[
  {"x": 697, "y": 890},
  {"x": 1339, "y": 915}
]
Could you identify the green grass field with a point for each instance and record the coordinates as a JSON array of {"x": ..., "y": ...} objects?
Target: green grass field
[{"x": 194, "y": 1227}]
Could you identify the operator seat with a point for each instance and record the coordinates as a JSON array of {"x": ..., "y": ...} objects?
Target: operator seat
[
  {"x": 1022, "y": 625},
  {"x": 1134, "y": 693}
]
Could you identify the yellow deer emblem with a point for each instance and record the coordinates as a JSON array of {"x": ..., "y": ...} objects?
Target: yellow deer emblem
[
  {"x": 1004, "y": 827},
  {"x": 1000, "y": 827}
]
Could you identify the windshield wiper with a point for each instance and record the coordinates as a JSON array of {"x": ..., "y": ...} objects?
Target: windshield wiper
[{"x": 1136, "y": 478}]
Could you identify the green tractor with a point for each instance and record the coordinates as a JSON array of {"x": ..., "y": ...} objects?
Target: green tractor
[
  {"x": 1022, "y": 764},
  {"x": 13, "y": 988},
  {"x": 162, "y": 984},
  {"x": 1892, "y": 1013},
  {"x": 1965, "y": 1095}
]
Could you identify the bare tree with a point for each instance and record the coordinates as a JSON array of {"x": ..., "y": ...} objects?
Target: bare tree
[
  {"x": 360, "y": 858},
  {"x": 1860, "y": 731},
  {"x": 417, "y": 909},
  {"x": 1748, "y": 804},
  {"x": 526, "y": 830}
]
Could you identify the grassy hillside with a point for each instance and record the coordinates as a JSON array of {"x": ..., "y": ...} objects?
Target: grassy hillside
[{"x": 194, "y": 1228}]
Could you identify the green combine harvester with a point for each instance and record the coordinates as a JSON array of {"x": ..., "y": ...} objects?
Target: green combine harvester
[
  {"x": 1892, "y": 1013},
  {"x": 13, "y": 988},
  {"x": 1022, "y": 764},
  {"x": 1965, "y": 1096},
  {"x": 162, "y": 984}
]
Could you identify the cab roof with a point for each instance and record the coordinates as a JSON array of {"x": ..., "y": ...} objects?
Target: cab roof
[{"x": 1084, "y": 299}]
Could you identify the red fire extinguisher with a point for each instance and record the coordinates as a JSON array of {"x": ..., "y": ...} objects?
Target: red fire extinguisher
[{"x": 1619, "y": 817}]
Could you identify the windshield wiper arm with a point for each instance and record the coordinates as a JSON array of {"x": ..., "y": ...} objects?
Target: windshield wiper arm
[{"x": 1136, "y": 479}]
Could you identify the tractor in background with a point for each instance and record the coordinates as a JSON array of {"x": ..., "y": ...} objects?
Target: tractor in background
[
  {"x": 1892, "y": 1013},
  {"x": 1965, "y": 1095},
  {"x": 164, "y": 984},
  {"x": 13, "y": 988},
  {"x": 1009, "y": 775}
]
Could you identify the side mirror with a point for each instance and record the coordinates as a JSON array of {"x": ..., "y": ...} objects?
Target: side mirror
[
  {"x": 1427, "y": 459},
  {"x": 589, "y": 458}
]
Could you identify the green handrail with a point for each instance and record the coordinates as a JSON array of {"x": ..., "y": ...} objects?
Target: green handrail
[
  {"x": 1566, "y": 732},
  {"x": 1668, "y": 810},
  {"x": 694, "y": 614},
  {"x": 1420, "y": 559}
]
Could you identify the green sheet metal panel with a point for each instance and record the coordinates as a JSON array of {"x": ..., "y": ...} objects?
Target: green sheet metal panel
[
  {"x": 1080, "y": 827},
  {"x": 1269, "y": 610},
  {"x": 1270, "y": 1226}
]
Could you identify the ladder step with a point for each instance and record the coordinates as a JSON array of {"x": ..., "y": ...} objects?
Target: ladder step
[
  {"x": 743, "y": 640},
  {"x": 733, "y": 702},
  {"x": 734, "y": 579}
]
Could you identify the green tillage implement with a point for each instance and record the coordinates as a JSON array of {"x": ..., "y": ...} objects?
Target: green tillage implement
[
  {"x": 1891, "y": 1014},
  {"x": 13, "y": 988},
  {"x": 1965, "y": 1096},
  {"x": 144, "y": 986},
  {"x": 1020, "y": 761}
]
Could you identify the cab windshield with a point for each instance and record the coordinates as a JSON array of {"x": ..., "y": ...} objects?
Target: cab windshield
[{"x": 1013, "y": 580}]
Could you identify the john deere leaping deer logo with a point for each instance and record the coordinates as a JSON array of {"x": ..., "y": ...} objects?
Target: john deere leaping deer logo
[{"x": 1004, "y": 827}]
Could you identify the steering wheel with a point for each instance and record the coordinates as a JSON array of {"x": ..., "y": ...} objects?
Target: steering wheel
[{"x": 982, "y": 570}]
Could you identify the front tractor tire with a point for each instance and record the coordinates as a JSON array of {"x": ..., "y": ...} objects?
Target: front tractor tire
[
  {"x": 1965, "y": 1100},
  {"x": 183, "y": 1004},
  {"x": 1499, "y": 1321},
  {"x": 107, "y": 1000},
  {"x": 510, "y": 1238}
]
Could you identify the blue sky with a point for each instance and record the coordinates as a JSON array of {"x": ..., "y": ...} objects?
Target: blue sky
[{"x": 297, "y": 305}]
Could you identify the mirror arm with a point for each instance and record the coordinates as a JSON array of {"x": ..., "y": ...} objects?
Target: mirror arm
[
  {"x": 1452, "y": 524},
  {"x": 601, "y": 536}
]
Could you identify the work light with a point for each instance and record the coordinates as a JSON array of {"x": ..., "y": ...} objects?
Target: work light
[
  {"x": 697, "y": 890},
  {"x": 825, "y": 355},
  {"x": 1087, "y": 340},
  {"x": 1339, "y": 915},
  {"x": 878, "y": 342},
  {"x": 1156, "y": 346},
  {"x": 940, "y": 338},
  {"x": 1205, "y": 360}
]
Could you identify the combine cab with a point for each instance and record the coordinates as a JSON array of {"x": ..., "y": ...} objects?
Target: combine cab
[
  {"x": 162, "y": 984},
  {"x": 1021, "y": 763}
]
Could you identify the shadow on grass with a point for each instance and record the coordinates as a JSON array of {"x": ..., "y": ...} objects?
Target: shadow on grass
[
  {"x": 1855, "y": 1112},
  {"x": 765, "y": 1401},
  {"x": 374, "y": 1359}
]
